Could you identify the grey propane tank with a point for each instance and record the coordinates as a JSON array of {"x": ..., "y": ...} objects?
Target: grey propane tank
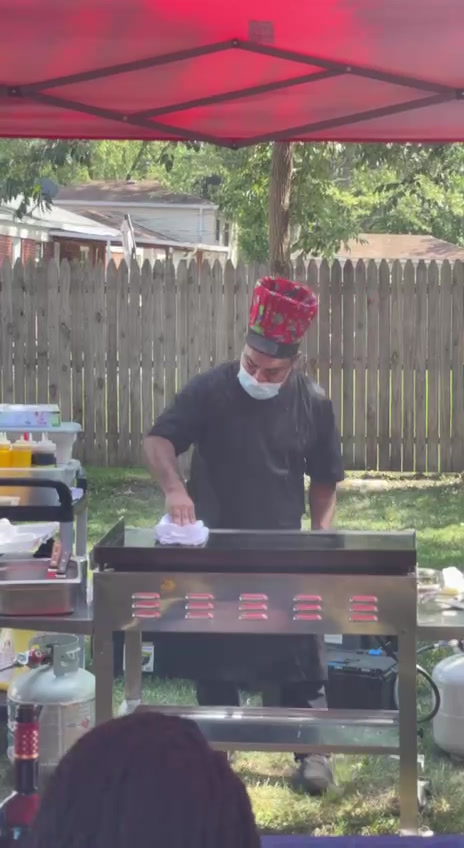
[{"x": 66, "y": 694}]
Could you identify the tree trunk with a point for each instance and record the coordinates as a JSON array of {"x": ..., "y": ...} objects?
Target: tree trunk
[{"x": 279, "y": 207}]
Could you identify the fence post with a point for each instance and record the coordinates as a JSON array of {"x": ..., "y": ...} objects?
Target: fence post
[
  {"x": 348, "y": 363},
  {"x": 112, "y": 381},
  {"x": 457, "y": 437},
  {"x": 409, "y": 346},
  {"x": 324, "y": 326},
  {"x": 64, "y": 364},
  {"x": 433, "y": 366},
  {"x": 445, "y": 367},
  {"x": 360, "y": 366},
  {"x": 396, "y": 359},
  {"x": 372, "y": 365},
  {"x": 384, "y": 366},
  {"x": 148, "y": 333}
]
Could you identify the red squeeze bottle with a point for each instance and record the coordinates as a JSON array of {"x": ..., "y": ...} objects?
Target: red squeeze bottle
[{"x": 17, "y": 812}]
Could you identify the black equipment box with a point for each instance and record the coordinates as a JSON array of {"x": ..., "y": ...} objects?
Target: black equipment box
[{"x": 360, "y": 680}]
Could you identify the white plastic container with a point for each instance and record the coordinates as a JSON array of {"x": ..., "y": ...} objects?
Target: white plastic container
[
  {"x": 64, "y": 438},
  {"x": 448, "y": 724}
]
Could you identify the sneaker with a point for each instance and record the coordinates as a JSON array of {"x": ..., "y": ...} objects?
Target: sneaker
[{"x": 315, "y": 774}]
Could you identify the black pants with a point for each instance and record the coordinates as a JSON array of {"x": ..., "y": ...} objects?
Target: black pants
[{"x": 217, "y": 693}]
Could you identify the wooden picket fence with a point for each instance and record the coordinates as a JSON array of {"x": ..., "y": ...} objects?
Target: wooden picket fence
[{"x": 113, "y": 346}]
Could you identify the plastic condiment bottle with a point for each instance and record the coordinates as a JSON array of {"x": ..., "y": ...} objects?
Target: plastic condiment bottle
[
  {"x": 5, "y": 451},
  {"x": 44, "y": 452},
  {"x": 21, "y": 453}
]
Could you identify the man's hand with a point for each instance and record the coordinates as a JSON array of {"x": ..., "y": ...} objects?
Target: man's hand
[{"x": 180, "y": 506}]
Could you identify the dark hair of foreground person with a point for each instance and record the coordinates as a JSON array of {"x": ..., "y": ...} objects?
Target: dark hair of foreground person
[{"x": 144, "y": 781}]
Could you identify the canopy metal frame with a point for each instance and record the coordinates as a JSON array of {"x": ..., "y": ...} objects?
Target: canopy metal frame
[{"x": 40, "y": 92}]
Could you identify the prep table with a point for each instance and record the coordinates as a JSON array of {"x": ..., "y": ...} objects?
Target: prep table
[
  {"x": 275, "y": 583},
  {"x": 70, "y": 511}
]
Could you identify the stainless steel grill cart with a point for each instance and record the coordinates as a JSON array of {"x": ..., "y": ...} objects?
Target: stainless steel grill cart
[{"x": 267, "y": 583}]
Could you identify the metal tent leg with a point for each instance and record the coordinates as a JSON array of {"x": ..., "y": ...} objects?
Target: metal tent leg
[{"x": 408, "y": 732}]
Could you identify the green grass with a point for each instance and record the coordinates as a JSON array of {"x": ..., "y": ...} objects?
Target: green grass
[{"x": 365, "y": 800}]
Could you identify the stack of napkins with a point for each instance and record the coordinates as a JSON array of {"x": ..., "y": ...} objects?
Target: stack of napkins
[{"x": 168, "y": 533}]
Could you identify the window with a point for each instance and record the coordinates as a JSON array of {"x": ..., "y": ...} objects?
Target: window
[
  {"x": 226, "y": 234},
  {"x": 218, "y": 231},
  {"x": 85, "y": 253},
  {"x": 39, "y": 251}
]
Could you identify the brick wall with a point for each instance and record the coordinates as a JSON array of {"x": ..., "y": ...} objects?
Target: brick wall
[
  {"x": 6, "y": 247},
  {"x": 69, "y": 249},
  {"x": 28, "y": 250},
  {"x": 48, "y": 250}
]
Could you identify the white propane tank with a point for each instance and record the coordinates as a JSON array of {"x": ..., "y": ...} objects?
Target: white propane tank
[
  {"x": 448, "y": 724},
  {"x": 66, "y": 694}
]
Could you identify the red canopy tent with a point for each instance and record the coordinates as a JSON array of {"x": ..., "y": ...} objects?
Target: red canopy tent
[{"x": 233, "y": 73}]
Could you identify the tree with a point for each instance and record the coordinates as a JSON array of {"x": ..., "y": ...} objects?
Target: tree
[
  {"x": 280, "y": 191},
  {"x": 285, "y": 198}
]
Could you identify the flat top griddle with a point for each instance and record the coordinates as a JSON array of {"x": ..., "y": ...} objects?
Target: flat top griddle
[{"x": 134, "y": 549}]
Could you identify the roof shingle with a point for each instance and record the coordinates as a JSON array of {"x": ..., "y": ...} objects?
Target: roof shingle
[{"x": 126, "y": 192}]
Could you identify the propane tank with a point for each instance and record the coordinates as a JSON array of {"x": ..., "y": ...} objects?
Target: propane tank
[
  {"x": 448, "y": 724},
  {"x": 64, "y": 692}
]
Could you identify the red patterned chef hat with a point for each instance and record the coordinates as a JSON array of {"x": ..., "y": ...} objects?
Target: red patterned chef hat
[{"x": 280, "y": 313}]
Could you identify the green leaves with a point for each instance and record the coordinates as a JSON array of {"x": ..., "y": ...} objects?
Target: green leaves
[{"x": 338, "y": 191}]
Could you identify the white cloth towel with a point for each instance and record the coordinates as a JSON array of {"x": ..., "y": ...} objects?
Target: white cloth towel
[{"x": 168, "y": 533}]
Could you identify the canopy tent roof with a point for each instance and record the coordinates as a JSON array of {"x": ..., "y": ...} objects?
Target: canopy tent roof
[{"x": 234, "y": 73}]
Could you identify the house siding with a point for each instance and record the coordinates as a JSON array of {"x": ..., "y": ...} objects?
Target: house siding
[{"x": 184, "y": 224}]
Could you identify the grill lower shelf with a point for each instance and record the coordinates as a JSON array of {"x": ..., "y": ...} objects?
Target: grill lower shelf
[{"x": 299, "y": 731}]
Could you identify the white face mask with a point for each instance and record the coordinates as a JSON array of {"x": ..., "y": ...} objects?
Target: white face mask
[{"x": 256, "y": 390}]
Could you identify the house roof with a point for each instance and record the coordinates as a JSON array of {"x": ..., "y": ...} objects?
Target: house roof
[
  {"x": 109, "y": 218},
  {"x": 125, "y": 192},
  {"x": 94, "y": 225},
  {"x": 146, "y": 236},
  {"x": 390, "y": 246},
  {"x": 56, "y": 221}
]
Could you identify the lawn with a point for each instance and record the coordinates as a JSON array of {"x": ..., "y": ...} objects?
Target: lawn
[{"x": 365, "y": 798}]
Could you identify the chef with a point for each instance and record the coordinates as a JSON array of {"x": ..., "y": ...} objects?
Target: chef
[{"x": 258, "y": 426}]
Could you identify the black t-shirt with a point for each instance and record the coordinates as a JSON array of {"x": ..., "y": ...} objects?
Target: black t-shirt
[{"x": 250, "y": 455}]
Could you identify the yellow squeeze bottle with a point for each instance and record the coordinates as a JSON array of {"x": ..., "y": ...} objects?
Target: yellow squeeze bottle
[
  {"x": 21, "y": 453},
  {"x": 5, "y": 451}
]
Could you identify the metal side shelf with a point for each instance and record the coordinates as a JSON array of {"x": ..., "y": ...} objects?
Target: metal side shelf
[
  {"x": 439, "y": 624},
  {"x": 79, "y": 623}
]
